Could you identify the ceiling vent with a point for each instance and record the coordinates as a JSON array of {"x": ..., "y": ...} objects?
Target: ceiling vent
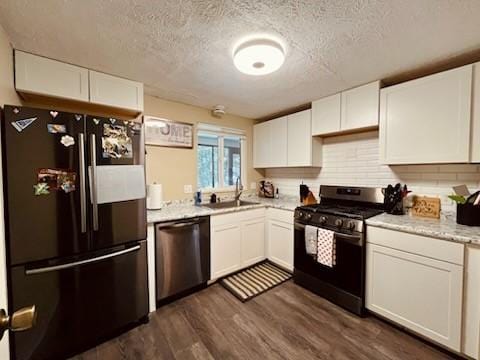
[{"x": 218, "y": 111}]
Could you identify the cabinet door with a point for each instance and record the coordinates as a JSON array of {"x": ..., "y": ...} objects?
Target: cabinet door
[
  {"x": 253, "y": 241},
  {"x": 225, "y": 247},
  {"x": 475, "y": 153},
  {"x": 420, "y": 293},
  {"x": 277, "y": 155},
  {"x": 471, "y": 315},
  {"x": 299, "y": 139},
  {"x": 427, "y": 120},
  {"x": 326, "y": 114},
  {"x": 261, "y": 144},
  {"x": 280, "y": 243},
  {"x": 360, "y": 107},
  {"x": 38, "y": 75},
  {"x": 114, "y": 91}
]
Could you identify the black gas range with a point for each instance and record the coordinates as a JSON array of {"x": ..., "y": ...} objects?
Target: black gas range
[{"x": 342, "y": 210}]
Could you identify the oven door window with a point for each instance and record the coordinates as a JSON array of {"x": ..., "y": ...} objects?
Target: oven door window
[{"x": 347, "y": 274}]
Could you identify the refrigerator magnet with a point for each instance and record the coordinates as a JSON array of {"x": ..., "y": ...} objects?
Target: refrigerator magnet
[
  {"x": 67, "y": 140},
  {"x": 21, "y": 125},
  {"x": 56, "y": 128},
  {"x": 41, "y": 189},
  {"x": 57, "y": 179},
  {"x": 116, "y": 143},
  {"x": 96, "y": 121},
  {"x": 78, "y": 117},
  {"x": 54, "y": 114}
]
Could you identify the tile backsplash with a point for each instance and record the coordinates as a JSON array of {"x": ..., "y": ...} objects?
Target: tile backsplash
[{"x": 354, "y": 160}]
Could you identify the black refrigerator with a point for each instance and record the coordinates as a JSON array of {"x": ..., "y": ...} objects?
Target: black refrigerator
[{"x": 75, "y": 222}]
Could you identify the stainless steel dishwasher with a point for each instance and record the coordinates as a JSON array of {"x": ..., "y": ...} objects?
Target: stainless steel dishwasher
[{"x": 182, "y": 257}]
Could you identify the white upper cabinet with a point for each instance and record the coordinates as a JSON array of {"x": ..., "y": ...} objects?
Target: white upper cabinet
[
  {"x": 303, "y": 150},
  {"x": 114, "y": 91},
  {"x": 475, "y": 151},
  {"x": 427, "y": 120},
  {"x": 277, "y": 156},
  {"x": 350, "y": 110},
  {"x": 326, "y": 114},
  {"x": 286, "y": 141},
  {"x": 261, "y": 144},
  {"x": 38, "y": 75},
  {"x": 41, "y": 76},
  {"x": 360, "y": 107}
]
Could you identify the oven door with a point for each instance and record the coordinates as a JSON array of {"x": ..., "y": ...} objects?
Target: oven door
[{"x": 347, "y": 275}]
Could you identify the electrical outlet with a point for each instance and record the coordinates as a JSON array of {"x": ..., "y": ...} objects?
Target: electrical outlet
[
  {"x": 253, "y": 185},
  {"x": 187, "y": 189}
]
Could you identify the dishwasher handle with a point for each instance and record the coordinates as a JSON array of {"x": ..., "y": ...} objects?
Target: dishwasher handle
[{"x": 176, "y": 225}]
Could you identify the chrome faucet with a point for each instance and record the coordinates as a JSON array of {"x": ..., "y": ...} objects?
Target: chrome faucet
[{"x": 238, "y": 190}]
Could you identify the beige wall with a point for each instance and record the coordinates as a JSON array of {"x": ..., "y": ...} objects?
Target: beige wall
[
  {"x": 7, "y": 88},
  {"x": 174, "y": 168}
]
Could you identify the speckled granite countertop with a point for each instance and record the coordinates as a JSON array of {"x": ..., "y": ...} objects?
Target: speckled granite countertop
[
  {"x": 445, "y": 228},
  {"x": 187, "y": 210}
]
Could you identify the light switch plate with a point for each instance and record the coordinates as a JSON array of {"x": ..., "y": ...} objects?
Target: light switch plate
[{"x": 187, "y": 189}]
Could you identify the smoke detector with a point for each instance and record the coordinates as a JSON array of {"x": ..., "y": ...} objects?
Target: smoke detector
[{"x": 218, "y": 111}]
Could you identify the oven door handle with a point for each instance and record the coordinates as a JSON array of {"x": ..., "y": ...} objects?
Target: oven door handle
[{"x": 353, "y": 239}]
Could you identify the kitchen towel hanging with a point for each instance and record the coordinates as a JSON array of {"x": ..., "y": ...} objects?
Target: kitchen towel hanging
[
  {"x": 311, "y": 239},
  {"x": 326, "y": 247}
]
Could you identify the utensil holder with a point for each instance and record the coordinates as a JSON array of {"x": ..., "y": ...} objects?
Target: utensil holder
[{"x": 468, "y": 214}]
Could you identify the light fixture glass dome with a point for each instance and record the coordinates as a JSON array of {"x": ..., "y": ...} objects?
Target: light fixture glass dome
[{"x": 259, "y": 57}]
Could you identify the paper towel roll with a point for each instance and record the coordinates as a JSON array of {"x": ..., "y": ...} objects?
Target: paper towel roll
[{"x": 154, "y": 196}]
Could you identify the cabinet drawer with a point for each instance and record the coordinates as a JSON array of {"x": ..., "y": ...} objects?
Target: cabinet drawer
[
  {"x": 420, "y": 245},
  {"x": 285, "y": 216},
  {"x": 236, "y": 217}
]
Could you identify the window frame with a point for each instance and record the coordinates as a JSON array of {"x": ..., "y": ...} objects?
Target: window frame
[{"x": 222, "y": 132}]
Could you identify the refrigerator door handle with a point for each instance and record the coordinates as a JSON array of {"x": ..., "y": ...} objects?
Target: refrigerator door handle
[
  {"x": 83, "y": 190},
  {"x": 80, "y": 262},
  {"x": 93, "y": 164}
]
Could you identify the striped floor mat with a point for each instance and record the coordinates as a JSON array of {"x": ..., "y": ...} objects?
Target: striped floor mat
[{"x": 255, "y": 280}]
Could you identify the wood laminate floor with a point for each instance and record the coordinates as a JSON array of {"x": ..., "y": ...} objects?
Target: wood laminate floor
[{"x": 287, "y": 322}]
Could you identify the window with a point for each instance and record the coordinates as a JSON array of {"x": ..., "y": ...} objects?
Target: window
[{"x": 219, "y": 157}]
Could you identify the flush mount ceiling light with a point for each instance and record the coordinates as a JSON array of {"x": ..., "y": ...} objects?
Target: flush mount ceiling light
[{"x": 258, "y": 56}]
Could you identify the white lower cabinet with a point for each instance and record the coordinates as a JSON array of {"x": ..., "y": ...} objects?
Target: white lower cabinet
[
  {"x": 416, "y": 282},
  {"x": 253, "y": 241},
  {"x": 280, "y": 237},
  {"x": 237, "y": 240},
  {"x": 471, "y": 315},
  {"x": 225, "y": 248}
]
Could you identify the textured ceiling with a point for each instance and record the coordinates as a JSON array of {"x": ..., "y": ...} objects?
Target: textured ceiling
[{"x": 181, "y": 49}]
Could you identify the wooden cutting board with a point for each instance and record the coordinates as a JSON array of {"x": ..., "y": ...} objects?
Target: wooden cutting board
[{"x": 424, "y": 206}]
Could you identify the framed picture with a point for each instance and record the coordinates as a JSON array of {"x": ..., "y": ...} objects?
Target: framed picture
[{"x": 169, "y": 133}]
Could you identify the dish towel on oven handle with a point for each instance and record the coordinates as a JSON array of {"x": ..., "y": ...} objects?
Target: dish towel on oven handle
[
  {"x": 311, "y": 239},
  {"x": 326, "y": 247}
]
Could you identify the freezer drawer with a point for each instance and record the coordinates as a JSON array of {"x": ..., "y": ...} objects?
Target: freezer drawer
[
  {"x": 79, "y": 302},
  {"x": 182, "y": 256}
]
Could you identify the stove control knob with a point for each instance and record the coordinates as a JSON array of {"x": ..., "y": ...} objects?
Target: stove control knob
[
  {"x": 338, "y": 223},
  {"x": 308, "y": 216},
  {"x": 300, "y": 215},
  {"x": 351, "y": 225},
  {"x": 323, "y": 220}
]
